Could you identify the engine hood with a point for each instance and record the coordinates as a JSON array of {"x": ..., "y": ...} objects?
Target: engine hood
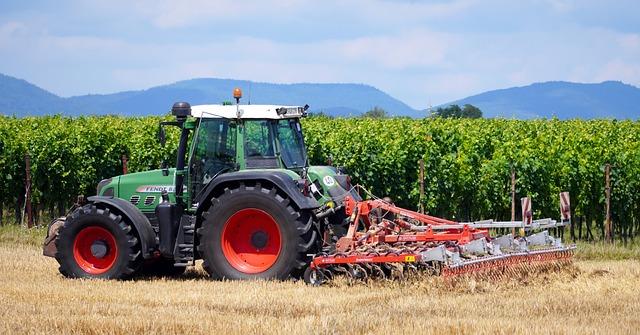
[{"x": 143, "y": 189}]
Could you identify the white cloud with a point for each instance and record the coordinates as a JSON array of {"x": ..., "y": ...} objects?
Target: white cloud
[
  {"x": 171, "y": 14},
  {"x": 561, "y": 6},
  {"x": 619, "y": 70},
  {"x": 630, "y": 42},
  {"x": 12, "y": 28},
  {"x": 398, "y": 51},
  {"x": 403, "y": 50}
]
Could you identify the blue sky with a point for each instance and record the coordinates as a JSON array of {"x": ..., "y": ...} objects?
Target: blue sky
[{"x": 422, "y": 52}]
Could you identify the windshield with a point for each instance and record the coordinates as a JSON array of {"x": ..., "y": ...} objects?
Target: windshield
[{"x": 291, "y": 143}]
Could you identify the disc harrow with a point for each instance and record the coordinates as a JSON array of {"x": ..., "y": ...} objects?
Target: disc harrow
[{"x": 388, "y": 242}]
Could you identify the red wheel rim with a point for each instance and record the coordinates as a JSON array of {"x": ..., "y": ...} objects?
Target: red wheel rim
[
  {"x": 84, "y": 255},
  {"x": 251, "y": 240}
]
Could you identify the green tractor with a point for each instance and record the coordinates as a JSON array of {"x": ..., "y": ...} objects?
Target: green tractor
[{"x": 242, "y": 198}]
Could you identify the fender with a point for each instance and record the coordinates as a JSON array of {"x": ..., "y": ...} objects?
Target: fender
[
  {"x": 139, "y": 221},
  {"x": 280, "y": 179}
]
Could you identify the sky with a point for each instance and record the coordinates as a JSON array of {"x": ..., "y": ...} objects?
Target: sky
[{"x": 424, "y": 53}]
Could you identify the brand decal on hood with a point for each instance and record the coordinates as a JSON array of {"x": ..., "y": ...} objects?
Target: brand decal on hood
[
  {"x": 155, "y": 188},
  {"x": 329, "y": 181}
]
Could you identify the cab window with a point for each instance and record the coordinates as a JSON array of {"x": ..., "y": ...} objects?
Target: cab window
[{"x": 214, "y": 151}]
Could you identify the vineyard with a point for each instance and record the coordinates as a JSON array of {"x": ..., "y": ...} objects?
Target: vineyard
[{"x": 468, "y": 163}]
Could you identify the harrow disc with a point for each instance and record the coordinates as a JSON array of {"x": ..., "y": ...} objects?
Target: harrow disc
[{"x": 361, "y": 267}]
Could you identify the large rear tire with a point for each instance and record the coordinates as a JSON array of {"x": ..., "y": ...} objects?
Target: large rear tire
[
  {"x": 252, "y": 232},
  {"x": 95, "y": 243}
]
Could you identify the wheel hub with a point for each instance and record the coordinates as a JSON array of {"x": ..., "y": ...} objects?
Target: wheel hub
[
  {"x": 259, "y": 239},
  {"x": 95, "y": 250},
  {"x": 251, "y": 240},
  {"x": 99, "y": 249}
]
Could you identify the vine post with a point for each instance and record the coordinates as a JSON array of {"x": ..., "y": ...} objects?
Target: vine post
[
  {"x": 27, "y": 186},
  {"x": 607, "y": 191},
  {"x": 420, "y": 204},
  {"x": 513, "y": 199},
  {"x": 125, "y": 160}
]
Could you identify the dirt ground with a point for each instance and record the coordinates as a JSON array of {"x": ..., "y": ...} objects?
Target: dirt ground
[{"x": 597, "y": 297}]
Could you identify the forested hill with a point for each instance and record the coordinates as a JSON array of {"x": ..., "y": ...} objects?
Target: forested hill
[
  {"x": 565, "y": 100},
  {"x": 20, "y": 98}
]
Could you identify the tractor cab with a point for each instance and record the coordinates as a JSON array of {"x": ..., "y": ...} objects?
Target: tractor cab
[{"x": 252, "y": 137}]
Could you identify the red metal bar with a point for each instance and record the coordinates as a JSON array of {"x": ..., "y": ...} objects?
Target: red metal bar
[
  {"x": 391, "y": 231},
  {"x": 359, "y": 259},
  {"x": 364, "y": 207}
]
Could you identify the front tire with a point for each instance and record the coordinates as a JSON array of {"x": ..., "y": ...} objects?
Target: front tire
[
  {"x": 95, "y": 243},
  {"x": 252, "y": 232}
]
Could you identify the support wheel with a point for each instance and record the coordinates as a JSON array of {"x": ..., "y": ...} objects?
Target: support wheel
[
  {"x": 95, "y": 243},
  {"x": 253, "y": 232},
  {"x": 314, "y": 277}
]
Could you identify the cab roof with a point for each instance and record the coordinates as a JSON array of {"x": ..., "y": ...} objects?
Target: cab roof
[{"x": 248, "y": 111}]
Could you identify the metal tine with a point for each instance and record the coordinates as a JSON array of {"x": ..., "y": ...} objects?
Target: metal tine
[
  {"x": 359, "y": 272},
  {"x": 397, "y": 271},
  {"x": 327, "y": 274},
  {"x": 377, "y": 272}
]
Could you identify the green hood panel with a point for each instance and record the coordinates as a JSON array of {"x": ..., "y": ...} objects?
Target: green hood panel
[
  {"x": 329, "y": 184},
  {"x": 144, "y": 189}
]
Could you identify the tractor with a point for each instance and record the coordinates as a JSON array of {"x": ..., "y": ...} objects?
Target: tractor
[{"x": 242, "y": 197}]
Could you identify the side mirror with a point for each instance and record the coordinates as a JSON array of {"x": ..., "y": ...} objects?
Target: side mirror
[{"x": 162, "y": 136}]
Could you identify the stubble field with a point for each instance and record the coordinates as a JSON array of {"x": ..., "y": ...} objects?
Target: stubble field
[{"x": 596, "y": 297}]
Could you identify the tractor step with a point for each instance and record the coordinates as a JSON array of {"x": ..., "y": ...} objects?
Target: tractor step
[{"x": 183, "y": 251}]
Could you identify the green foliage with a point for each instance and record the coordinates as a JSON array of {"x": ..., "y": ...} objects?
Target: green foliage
[
  {"x": 454, "y": 111},
  {"x": 467, "y": 162},
  {"x": 468, "y": 165},
  {"x": 69, "y": 156}
]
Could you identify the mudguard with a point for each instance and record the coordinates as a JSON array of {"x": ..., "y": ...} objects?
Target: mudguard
[
  {"x": 140, "y": 222},
  {"x": 280, "y": 179}
]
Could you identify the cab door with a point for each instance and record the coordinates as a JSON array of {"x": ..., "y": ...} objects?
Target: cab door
[{"x": 213, "y": 152}]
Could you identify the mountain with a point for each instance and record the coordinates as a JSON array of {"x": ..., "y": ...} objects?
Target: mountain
[
  {"x": 564, "y": 100},
  {"x": 18, "y": 97}
]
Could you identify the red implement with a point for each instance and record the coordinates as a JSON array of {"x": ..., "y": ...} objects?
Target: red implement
[{"x": 382, "y": 238}]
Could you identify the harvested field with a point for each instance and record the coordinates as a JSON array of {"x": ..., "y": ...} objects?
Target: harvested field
[{"x": 596, "y": 297}]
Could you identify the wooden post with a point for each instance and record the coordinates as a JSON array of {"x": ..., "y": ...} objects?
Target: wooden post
[
  {"x": 607, "y": 192},
  {"x": 513, "y": 199},
  {"x": 420, "y": 205},
  {"x": 124, "y": 164},
  {"x": 27, "y": 205}
]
